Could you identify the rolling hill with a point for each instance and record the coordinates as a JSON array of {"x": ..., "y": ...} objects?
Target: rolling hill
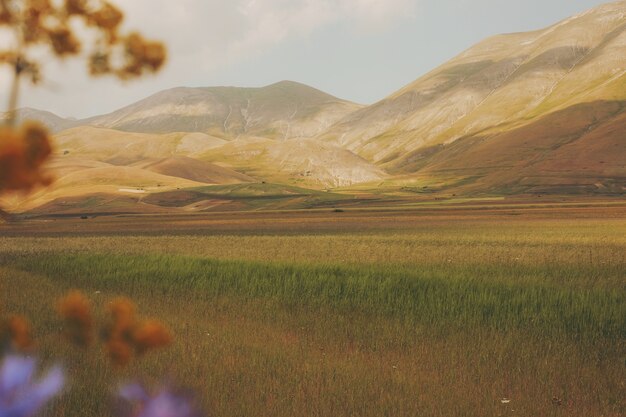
[{"x": 113, "y": 169}]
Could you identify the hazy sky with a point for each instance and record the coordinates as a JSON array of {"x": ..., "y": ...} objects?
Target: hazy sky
[{"x": 361, "y": 50}]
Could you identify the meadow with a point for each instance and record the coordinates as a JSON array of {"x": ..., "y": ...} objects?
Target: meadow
[{"x": 359, "y": 315}]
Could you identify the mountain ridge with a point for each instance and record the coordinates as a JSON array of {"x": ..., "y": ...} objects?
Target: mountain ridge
[
  {"x": 207, "y": 104},
  {"x": 283, "y": 110}
]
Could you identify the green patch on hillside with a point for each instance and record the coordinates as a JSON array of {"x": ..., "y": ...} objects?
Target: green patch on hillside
[
  {"x": 261, "y": 189},
  {"x": 250, "y": 196}
]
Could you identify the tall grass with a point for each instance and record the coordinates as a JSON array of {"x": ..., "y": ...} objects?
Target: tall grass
[
  {"x": 432, "y": 295},
  {"x": 440, "y": 320}
]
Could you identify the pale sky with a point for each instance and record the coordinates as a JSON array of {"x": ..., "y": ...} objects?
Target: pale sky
[{"x": 360, "y": 50}]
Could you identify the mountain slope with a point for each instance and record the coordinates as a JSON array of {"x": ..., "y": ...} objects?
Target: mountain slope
[
  {"x": 194, "y": 170},
  {"x": 283, "y": 110},
  {"x": 501, "y": 84},
  {"x": 299, "y": 161},
  {"x": 125, "y": 148},
  {"x": 578, "y": 150}
]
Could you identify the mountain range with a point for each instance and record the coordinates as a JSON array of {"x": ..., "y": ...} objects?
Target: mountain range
[{"x": 521, "y": 113}]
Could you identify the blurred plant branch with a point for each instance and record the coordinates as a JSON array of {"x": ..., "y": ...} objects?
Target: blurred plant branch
[
  {"x": 34, "y": 25},
  {"x": 53, "y": 24}
]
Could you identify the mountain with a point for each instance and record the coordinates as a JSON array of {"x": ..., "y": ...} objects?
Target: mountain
[
  {"x": 522, "y": 113},
  {"x": 284, "y": 110},
  {"x": 508, "y": 86},
  {"x": 53, "y": 122},
  {"x": 196, "y": 137}
]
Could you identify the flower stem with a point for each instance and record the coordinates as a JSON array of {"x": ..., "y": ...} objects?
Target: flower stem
[{"x": 13, "y": 97}]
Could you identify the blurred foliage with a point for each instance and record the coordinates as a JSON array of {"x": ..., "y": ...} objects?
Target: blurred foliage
[
  {"x": 37, "y": 24},
  {"x": 23, "y": 152},
  {"x": 54, "y": 24}
]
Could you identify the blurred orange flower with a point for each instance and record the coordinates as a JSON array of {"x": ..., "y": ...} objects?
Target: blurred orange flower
[
  {"x": 108, "y": 17},
  {"x": 23, "y": 152},
  {"x": 125, "y": 336},
  {"x": 63, "y": 42},
  {"x": 141, "y": 55},
  {"x": 76, "y": 311},
  {"x": 149, "y": 335},
  {"x": 15, "y": 333}
]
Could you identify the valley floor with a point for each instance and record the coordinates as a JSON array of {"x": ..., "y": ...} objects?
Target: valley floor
[
  {"x": 363, "y": 215},
  {"x": 481, "y": 309}
]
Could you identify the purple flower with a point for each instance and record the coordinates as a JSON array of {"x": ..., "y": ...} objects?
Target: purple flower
[
  {"x": 163, "y": 404},
  {"x": 20, "y": 396}
]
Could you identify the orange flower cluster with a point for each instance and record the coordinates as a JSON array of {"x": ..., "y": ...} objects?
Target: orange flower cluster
[
  {"x": 23, "y": 152},
  {"x": 126, "y": 336},
  {"x": 141, "y": 55},
  {"x": 15, "y": 333},
  {"x": 76, "y": 311},
  {"x": 44, "y": 22}
]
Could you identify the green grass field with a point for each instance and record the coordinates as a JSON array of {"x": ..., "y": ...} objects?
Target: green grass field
[{"x": 437, "y": 319}]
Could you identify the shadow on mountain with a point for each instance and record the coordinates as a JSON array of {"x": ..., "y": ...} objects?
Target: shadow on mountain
[
  {"x": 581, "y": 149},
  {"x": 562, "y": 59}
]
